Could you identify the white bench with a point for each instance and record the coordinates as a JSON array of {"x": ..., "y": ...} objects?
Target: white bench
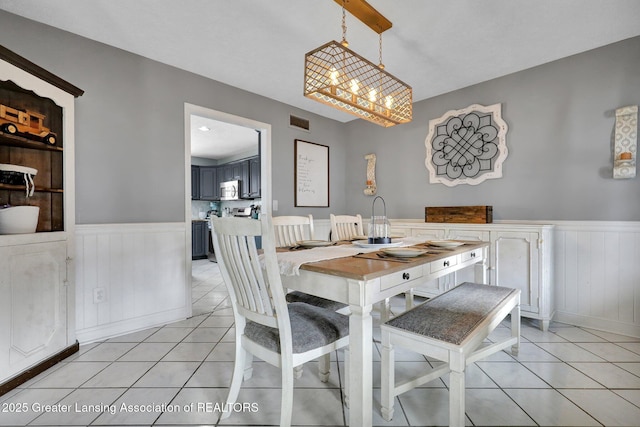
[{"x": 450, "y": 327}]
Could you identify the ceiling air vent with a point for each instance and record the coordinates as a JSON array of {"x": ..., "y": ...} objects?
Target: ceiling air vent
[{"x": 299, "y": 123}]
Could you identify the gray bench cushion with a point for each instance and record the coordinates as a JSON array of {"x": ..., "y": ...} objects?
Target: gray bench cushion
[
  {"x": 452, "y": 316},
  {"x": 297, "y": 296},
  {"x": 311, "y": 327}
]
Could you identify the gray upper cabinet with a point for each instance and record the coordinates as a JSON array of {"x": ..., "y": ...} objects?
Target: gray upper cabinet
[
  {"x": 206, "y": 180},
  {"x": 209, "y": 183},
  {"x": 254, "y": 177},
  {"x": 195, "y": 182}
]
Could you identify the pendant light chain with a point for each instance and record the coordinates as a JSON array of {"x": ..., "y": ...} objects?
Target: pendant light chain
[
  {"x": 345, "y": 43},
  {"x": 380, "y": 52}
]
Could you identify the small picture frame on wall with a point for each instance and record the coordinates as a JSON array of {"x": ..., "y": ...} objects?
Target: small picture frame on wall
[{"x": 311, "y": 170}]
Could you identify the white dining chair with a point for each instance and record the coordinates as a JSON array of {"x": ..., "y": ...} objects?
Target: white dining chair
[
  {"x": 346, "y": 227},
  {"x": 289, "y": 230},
  {"x": 284, "y": 335}
]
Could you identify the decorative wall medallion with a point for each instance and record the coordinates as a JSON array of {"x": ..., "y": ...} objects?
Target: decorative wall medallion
[{"x": 466, "y": 146}]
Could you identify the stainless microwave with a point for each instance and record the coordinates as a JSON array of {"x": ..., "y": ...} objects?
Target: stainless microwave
[{"x": 230, "y": 190}]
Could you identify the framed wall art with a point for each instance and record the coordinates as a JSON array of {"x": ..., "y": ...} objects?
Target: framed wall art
[
  {"x": 311, "y": 169},
  {"x": 466, "y": 146}
]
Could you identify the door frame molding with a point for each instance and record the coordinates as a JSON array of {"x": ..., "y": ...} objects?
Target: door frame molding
[{"x": 265, "y": 165}]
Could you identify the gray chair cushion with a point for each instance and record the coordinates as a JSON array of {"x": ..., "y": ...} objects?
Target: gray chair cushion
[
  {"x": 452, "y": 316},
  {"x": 311, "y": 327},
  {"x": 297, "y": 296}
]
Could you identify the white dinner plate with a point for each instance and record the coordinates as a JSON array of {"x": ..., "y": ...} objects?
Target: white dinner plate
[
  {"x": 314, "y": 243},
  {"x": 404, "y": 252},
  {"x": 445, "y": 243},
  {"x": 366, "y": 244}
]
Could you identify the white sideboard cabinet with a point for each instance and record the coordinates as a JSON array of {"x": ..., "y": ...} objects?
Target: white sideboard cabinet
[{"x": 520, "y": 256}]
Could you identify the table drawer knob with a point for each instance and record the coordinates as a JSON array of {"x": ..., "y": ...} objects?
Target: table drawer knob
[
  {"x": 446, "y": 263},
  {"x": 473, "y": 254},
  {"x": 405, "y": 276}
]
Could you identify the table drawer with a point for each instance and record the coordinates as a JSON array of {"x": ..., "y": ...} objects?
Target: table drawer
[
  {"x": 444, "y": 263},
  {"x": 474, "y": 254},
  {"x": 395, "y": 279}
]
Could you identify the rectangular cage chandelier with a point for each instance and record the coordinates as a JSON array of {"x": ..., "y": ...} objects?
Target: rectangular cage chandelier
[{"x": 337, "y": 76}]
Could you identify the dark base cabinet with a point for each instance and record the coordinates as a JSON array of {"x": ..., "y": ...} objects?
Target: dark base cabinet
[{"x": 199, "y": 239}]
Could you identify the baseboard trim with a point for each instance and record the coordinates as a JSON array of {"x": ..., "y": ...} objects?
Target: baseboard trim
[
  {"x": 37, "y": 369},
  {"x": 128, "y": 326},
  {"x": 598, "y": 324}
]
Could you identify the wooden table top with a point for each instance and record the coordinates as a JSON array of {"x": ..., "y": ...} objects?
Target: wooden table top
[{"x": 369, "y": 266}]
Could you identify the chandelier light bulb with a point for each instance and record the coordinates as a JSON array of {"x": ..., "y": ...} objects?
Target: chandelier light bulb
[
  {"x": 388, "y": 101},
  {"x": 372, "y": 95},
  {"x": 355, "y": 86},
  {"x": 333, "y": 76}
]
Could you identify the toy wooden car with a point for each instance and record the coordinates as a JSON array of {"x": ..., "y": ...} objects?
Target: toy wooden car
[{"x": 25, "y": 122}]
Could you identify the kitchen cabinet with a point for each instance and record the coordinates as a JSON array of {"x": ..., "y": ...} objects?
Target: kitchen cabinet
[
  {"x": 195, "y": 182},
  {"x": 245, "y": 185},
  {"x": 232, "y": 171},
  {"x": 209, "y": 179},
  {"x": 209, "y": 183},
  {"x": 227, "y": 173},
  {"x": 37, "y": 307},
  {"x": 254, "y": 178},
  {"x": 519, "y": 256},
  {"x": 199, "y": 239}
]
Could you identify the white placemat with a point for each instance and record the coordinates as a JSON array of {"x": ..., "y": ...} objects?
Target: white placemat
[{"x": 290, "y": 262}]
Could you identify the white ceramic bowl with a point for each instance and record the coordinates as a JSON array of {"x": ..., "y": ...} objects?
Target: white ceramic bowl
[{"x": 19, "y": 219}]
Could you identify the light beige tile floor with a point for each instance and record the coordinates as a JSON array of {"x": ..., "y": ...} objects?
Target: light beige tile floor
[{"x": 177, "y": 373}]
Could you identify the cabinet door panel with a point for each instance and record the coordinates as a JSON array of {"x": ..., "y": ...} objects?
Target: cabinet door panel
[
  {"x": 199, "y": 239},
  {"x": 195, "y": 183},
  {"x": 209, "y": 183},
  {"x": 254, "y": 177},
  {"x": 33, "y": 313},
  {"x": 515, "y": 263}
]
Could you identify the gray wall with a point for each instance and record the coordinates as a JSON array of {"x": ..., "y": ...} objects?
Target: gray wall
[
  {"x": 561, "y": 117},
  {"x": 130, "y": 130}
]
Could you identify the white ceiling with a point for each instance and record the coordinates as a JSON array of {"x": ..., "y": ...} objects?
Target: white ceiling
[
  {"x": 436, "y": 46},
  {"x": 212, "y": 139}
]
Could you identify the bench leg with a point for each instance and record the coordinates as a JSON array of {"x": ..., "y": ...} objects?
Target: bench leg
[
  {"x": 456, "y": 390},
  {"x": 515, "y": 328},
  {"x": 387, "y": 381}
]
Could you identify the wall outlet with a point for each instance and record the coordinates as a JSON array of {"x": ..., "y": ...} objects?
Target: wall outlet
[
  {"x": 274, "y": 205},
  {"x": 99, "y": 295}
]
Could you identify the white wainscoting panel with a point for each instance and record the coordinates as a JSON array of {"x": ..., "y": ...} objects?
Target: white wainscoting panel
[
  {"x": 597, "y": 275},
  {"x": 141, "y": 271}
]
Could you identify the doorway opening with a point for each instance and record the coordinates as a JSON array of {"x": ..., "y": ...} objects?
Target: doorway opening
[{"x": 220, "y": 147}]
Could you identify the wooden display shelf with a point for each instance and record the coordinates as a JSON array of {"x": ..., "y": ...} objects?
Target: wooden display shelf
[
  {"x": 21, "y": 188},
  {"x": 20, "y": 141}
]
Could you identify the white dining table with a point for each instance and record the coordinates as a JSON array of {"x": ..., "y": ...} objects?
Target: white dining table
[{"x": 364, "y": 279}]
